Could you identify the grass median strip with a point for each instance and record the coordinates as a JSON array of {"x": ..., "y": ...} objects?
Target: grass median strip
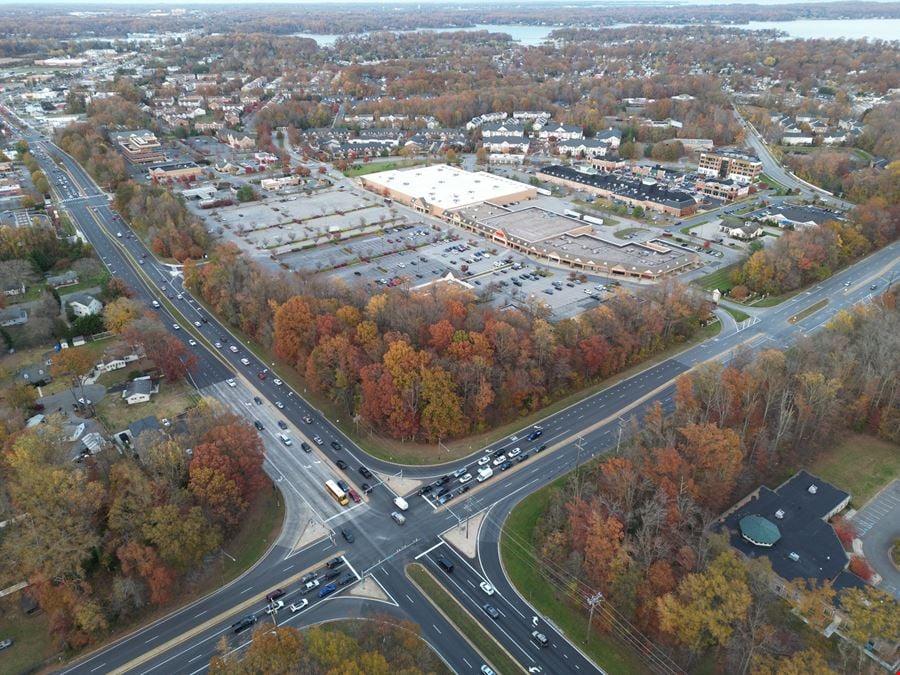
[
  {"x": 808, "y": 312},
  {"x": 456, "y": 614}
]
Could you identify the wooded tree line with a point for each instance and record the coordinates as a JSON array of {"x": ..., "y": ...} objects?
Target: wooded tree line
[
  {"x": 439, "y": 364},
  {"x": 102, "y": 540},
  {"x": 380, "y": 645},
  {"x": 634, "y": 526},
  {"x": 802, "y": 257}
]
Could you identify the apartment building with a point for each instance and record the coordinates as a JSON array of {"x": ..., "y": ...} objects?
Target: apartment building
[
  {"x": 139, "y": 147},
  {"x": 726, "y": 164}
]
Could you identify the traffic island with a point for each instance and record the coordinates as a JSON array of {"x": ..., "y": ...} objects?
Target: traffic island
[
  {"x": 464, "y": 536},
  {"x": 480, "y": 640}
]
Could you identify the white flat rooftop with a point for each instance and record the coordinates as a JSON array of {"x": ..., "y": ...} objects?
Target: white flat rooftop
[{"x": 447, "y": 187}]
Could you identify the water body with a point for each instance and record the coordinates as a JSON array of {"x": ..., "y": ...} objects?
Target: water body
[{"x": 874, "y": 29}]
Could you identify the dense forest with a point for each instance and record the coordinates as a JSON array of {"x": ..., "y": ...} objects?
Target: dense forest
[
  {"x": 635, "y": 526},
  {"x": 438, "y": 364}
]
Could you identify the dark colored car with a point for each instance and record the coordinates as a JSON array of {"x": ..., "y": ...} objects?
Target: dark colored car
[
  {"x": 365, "y": 472},
  {"x": 274, "y": 595},
  {"x": 333, "y": 574},
  {"x": 535, "y": 434},
  {"x": 543, "y": 447},
  {"x": 305, "y": 446},
  {"x": 354, "y": 496},
  {"x": 491, "y": 611},
  {"x": 341, "y": 464},
  {"x": 347, "y": 535},
  {"x": 425, "y": 490},
  {"x": 498, "y": 452},
  {"x": 343, "y": 485},
  {"x": 446, "y": 564},
  {"x": 366, "y": 488},
  {"x": 443, "y": 491},
  {"x": 334, "y": 563},
  {"x": 443, "y": 480},
  {"x": 327, "y": 590},
  {"x": 281, "y": 424},
  {"x": 258, "y": 424},
  {"x": 505, "y": 465},
  {"x": 309, "y": 577},
  {"x": 257, "y": 400},
  {"x": 346, "y": 579},
  {"x": 335, "y": 445},
  {"x": 244, "y": 624}
]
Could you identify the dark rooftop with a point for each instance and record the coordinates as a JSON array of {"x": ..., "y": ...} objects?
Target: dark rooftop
[{"x": 635, "y": 189}]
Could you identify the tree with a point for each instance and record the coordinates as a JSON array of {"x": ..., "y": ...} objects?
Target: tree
[
  {"x": 872, "y": 614},
  {"x": 233, "y": 448},
  {"x": 276, "y": 650},
  {"x": 73, "y": 363},
  {"x": 481, "y": 155},
  {"x": 119, "y": 313},
  {"x": 182, "y": 536},
  {"x": 799, "y": 663},
  {"x": 246, "y": 193},
  {"x": 708, "y": 605}
]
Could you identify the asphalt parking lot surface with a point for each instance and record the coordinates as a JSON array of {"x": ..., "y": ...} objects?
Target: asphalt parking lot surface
[{"x": 878, "y": 526}]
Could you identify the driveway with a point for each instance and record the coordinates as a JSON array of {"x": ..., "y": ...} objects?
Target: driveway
[{"x": 878, "y": 526}]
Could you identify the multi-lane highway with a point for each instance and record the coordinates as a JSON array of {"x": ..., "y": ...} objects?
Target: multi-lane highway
[{"x": 184, "y": 641}]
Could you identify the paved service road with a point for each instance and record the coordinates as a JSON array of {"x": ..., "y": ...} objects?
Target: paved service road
[{"x": 878, "y": 525}]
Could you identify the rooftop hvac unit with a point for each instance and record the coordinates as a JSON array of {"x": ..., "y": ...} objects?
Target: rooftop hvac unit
[
  {"x": 794, "y": 556},
  {"x": 779, "y": 514},
  {"x": 813, "y": 489}
]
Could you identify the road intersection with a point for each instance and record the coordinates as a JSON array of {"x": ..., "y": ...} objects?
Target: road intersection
[{"x": 185, "y": 640}]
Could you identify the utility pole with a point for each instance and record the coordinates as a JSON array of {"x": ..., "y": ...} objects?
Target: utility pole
[{"x": 592, "y": 602}]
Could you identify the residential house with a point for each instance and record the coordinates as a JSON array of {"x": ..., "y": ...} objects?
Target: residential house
[
  {"x": 13, "y": 316},
  {"x": 65, "y": 279},
  {"x": 787, "y": 215},
  {"x": 796, "y": 137},
  {"x": 83, "y": 304},
  {"x": 145, "y": 425},
  {"x": 834, "y": 138},
  {"x": 612, "y": 137},
  {"x": 502, "y": 129},
  {"x": 507, "y": 144},
  {"x": 36, "y": 375},
  {"x": 236, "y": 139},
  {"x": 561, "y": 132},
  {"x": 139, "y": 390},
  {"x": 585, "y": 147},
  {"x": 737, "y": 229},
  {"x": 14, "y": 288}
]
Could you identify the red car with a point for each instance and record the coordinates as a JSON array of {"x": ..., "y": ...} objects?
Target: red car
[
  {"x": 355, "y": 497},
  {"x": 261, "y": 375}
]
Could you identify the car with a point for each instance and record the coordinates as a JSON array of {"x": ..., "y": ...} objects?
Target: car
[
  {"x": 155, "y": 304},
  {"x": 426, "y": 489},
  {"x": 335, "y": 445},
  {"x": 257, "y": 400},
  {"x": 459, "y": 472},
  {"x": 484, "y": 460},
  {"x": 261, "y": 375},
  {"x": 539, "y": 638},
  {"x": 258, "y": 425},
  {"x": 277, "y": 382},
  {"x": 364, "y": 472},
  {"x": 243, "y": 624},
  {"x": 354, "y": 495},
  {"x": 310, "y": 585},
  {"x": 245, "y": 361},
  {"x": 309, "y": 577},
  {"x": 192, "y": 343},
  {"x": 305, "y": 446},
  {"x": 486, "y": 587},
  {"x": 505, "y": 465},
  {"x": 347, "y": 578},
  {"x": 274, "y": 595},
  {"x": 445, "y": 564},
  {"x": 847, "y": 284},
  {"x": 523, "y": 457},
  {"x": 491, "y": 611},
  {"x": 297, "y": 606},
  {"x": 366, "y": 488},
  {"x": 487, "y": 670},
  {"x": 198, "y": 324},
  {"x": 279, "y": 405},
  {"x": 541, "y": 448},
  {"x": 535, "y": 434},
  {"x": 231, "y": 382},
  {"x": 515, "y": 452},
  {"x": 347, "y": 535},
  {"x": 274, "y": 607},
  {"x": 334, "y": 563},
  {"x": 281, "y": 425},
  {"x": 327, "y": 590},
  {"x": 233, "y": 349},
  {"x": 176, "y": 326},
  {"x": 442, "y": 492},
  {"x": 218, "y": 345},
  {"x": 307, "y": 419},
  {"x": 873, "y": 287},
  {"x": 317, "y": 440},
  {"x": 498, "y": 452},
  {"x": 6, "y": 644},
  {"x": 499, "y": 460},
  {"x": 341, "y": 464},
  {"x": 443, "y": 480}
]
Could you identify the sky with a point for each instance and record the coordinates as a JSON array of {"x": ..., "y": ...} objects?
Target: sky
[{"x": 187, "y": 4}]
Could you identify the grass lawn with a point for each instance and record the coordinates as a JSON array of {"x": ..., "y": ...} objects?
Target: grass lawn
[
  {"x": 720, "y": 279},
  {"x": 121, "y": 375},
  {"x": 736, "y": 313},
  {"x": 84, "y": 284},
  {"x": 522, "y": 569},
  {"x": 621, "y": 234},
  {"x": 809, "y": 311},
  {"x": 32, "y": 645},
  {"x": 860, "y": 464},
  {"x": 495, "y": 655},
  {"x": 32, "y": 293},
  {"x": 375, "y": 167},
  {"x": 172, "y": 400},
  {"x": 771, "y": 182}
]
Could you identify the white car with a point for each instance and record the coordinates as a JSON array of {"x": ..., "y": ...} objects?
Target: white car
[
  {"x": 297, "y": 606},
  {"x": 279, "y": 405},
  {"x": 487, "y": 588},
  {"x": 277, "y": 382},
  {"x": 500, "y": 460},
  {"x": 245, "y": 361},
  {"x": 176, "y": 326},
  {"x": 484, "y": 460},
  {"x": 218, "y": 345},
  {"x": 515, "y": 452},
  {"x": 179, "y": 296},
  {"x": 465, "y": 479},
  {"x": 233, "y": 349},
  {"x": 275, "y": 606},
  {"x": 198, "y": 324},
  {"x": 192, "y": 343},
  {"x": 231, "y": 383}
]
